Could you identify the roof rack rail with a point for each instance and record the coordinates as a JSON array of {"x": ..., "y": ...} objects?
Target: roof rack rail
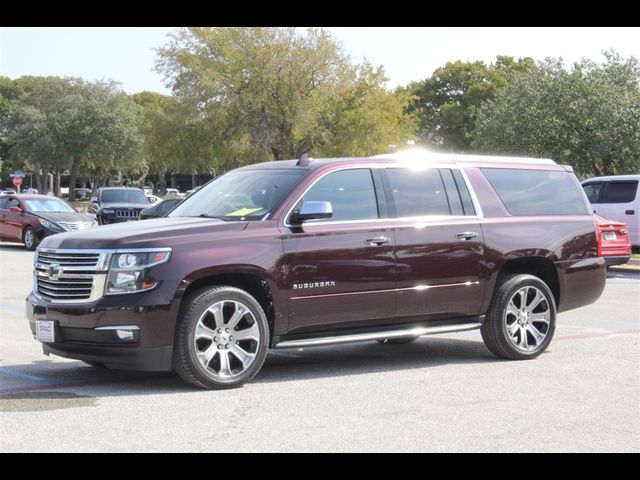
[{"x": 430, "y": 156}]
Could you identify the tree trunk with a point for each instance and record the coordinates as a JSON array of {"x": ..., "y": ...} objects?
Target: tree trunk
[
  {"x": 161, "y": 187},
  {"x": 75, "y": 167},
  {"x": 41, "y": 183},
  {"x": 56, "y": 184}
]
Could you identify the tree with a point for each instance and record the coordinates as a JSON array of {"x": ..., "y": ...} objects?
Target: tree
[
  {"x": 262, "y": 93},
  {"x": 587, "y": 116},
  {"x": 63, "y": 124},
  {"x": 447, "y": 102},
  {"x": 35, "y": 119}
]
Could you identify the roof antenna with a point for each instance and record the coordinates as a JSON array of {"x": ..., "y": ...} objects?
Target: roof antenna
[{"x": 304, "y": 160}]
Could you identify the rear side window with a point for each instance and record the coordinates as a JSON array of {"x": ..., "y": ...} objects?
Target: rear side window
[
  {"x": 537, "y": 192},
  {"x": 619, "y": 192},
  {"x": 418, "y": 192}
]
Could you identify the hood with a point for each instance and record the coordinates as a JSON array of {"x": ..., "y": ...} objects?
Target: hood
[
  {"x": 161, "y": 232},
  {"x": 69, "y": 217},
  {"x": 124, "y": 205}
]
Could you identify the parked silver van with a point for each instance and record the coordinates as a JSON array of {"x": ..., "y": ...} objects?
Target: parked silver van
[{"x": 617, "y": 198}]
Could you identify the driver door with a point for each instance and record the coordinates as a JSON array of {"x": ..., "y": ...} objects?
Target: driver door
[{"x": 341, "y": 270}]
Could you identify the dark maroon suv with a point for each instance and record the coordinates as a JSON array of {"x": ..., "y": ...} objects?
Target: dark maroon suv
[{"x": 297, "y": 254}]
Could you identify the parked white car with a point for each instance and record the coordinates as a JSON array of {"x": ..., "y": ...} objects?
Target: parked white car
[{"x": 617, "y": 198}]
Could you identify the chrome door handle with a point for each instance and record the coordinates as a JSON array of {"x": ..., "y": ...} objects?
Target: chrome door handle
[
  {"x": 377, "y": 241},
  {"x": 466, "y": 235}
]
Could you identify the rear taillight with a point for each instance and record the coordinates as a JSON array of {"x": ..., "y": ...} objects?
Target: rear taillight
[{"x": 598, "y": 239}]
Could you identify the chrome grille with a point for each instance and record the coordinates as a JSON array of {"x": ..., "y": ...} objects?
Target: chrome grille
[
  {"x": 70, "y": 276},
  {"x": 128, "y": 213},
  {"x": 75, "y": 226}
]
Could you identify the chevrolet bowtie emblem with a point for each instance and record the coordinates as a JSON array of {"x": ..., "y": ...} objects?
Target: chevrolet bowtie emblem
[{"x": 54, "y": 271}]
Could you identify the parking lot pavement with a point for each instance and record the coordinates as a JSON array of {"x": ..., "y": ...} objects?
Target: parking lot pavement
[{"x": 441, "y": 393}]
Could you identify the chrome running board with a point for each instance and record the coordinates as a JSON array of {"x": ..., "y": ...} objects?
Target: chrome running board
[{"x": 367, "y": 337}]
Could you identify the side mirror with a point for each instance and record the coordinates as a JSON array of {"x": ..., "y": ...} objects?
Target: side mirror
[
  {"x": 16, "y": 210},
  {"x": 312, "y": 211},
  {"x": 94, "y": 199}
]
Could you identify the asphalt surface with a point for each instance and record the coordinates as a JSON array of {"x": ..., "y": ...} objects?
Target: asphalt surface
[{"x": 441, "y": 393}]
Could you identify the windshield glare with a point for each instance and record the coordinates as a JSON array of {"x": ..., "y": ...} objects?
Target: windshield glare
[
  {"x": 240, "y": 195},
  {"x": 48, "y": 206},
  {"x": 124, "y": 196}
]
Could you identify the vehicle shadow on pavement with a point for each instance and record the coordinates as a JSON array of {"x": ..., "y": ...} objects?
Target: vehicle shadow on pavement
[
  {"x": 49, "y": 377},
  {"x": 370, "y": 357}
]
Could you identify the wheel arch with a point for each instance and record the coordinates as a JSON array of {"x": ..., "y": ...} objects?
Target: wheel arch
[
  {"x": 255, "y": 283},
  {"x": 541, "y": 267}
]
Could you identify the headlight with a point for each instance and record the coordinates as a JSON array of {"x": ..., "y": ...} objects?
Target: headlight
[
  {"x": 50, "y": 225},
  {"x": 107, "y": 211},
  {"x": 129, "y": 270}
]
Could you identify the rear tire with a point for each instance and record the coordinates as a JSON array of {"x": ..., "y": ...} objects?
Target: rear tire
[
  {"x": 221, "y": 338},
  {"x": 522, "y": 318}
]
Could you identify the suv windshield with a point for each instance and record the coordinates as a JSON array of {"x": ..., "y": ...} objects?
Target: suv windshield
[
  {"x": 240, "y": 195},
  {"x": 124, "y": 196}
]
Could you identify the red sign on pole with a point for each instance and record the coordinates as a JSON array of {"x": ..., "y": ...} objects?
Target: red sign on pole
[{"x": 17, "y": 181}]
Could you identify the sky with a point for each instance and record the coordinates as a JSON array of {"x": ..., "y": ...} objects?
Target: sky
[{"x": 126, "y": 54}]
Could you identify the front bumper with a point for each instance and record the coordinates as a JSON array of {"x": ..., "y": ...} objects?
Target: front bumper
[{"x": 87, "y": 332}]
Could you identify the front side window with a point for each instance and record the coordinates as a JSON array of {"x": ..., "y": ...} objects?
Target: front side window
[
  {"x": 351, "y": 193},
  {"x": 593, "y": 191},
  {"x": 537, "y": 192},
  {"x": 418, "y": 192}
]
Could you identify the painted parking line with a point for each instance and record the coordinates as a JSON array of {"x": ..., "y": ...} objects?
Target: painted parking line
[{"x": 25, "y": 376}]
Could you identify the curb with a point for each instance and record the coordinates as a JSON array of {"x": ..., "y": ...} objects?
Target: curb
[{"x": 632, "y": 265}]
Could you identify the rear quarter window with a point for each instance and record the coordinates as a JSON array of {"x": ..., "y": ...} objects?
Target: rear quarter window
[{"x": 537, "y": 192}]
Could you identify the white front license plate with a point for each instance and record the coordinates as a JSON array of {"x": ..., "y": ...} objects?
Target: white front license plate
[{"x": 45, "y": 331}]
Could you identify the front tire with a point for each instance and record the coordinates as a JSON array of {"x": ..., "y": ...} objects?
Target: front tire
[
  {"x": 29, "y": 238},
  {"x": 522, "y": 318},
  {"x": 221, "y": 338}
]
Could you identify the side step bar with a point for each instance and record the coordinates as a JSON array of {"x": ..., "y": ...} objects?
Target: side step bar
[{"x": 366, "y": 337}]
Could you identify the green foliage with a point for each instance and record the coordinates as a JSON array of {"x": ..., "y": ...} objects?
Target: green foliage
[
  {"x": 588, "y": 116},
  {"x": 55, "y": 125},
  {"x": 447, "y": 102},
  {"x": 271, "y": 93}
]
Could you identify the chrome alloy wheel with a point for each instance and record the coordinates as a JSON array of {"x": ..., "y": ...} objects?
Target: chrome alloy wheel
[
  {"x": 527, "y": 319},
  {"x": 226, "y": 339},
  {"x": 29, "y": 238}
]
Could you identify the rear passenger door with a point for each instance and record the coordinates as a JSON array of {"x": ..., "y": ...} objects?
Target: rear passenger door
[{"x": 439, "y": 243}]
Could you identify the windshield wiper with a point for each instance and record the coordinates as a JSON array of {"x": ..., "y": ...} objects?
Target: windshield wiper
[{"x": 218, "y": 217}]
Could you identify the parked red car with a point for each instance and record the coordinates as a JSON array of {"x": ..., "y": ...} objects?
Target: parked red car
[
  {"x": 30, "y": 218},
  {"x": 613, "y": 241}
]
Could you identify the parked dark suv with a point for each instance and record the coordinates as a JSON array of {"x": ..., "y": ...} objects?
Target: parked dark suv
[
  {"x": 118, "y": 204},
  {"x": 298, "y": 254}
]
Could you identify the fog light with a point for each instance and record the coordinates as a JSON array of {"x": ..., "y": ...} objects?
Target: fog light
[{"x": 119, "y": 333}]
